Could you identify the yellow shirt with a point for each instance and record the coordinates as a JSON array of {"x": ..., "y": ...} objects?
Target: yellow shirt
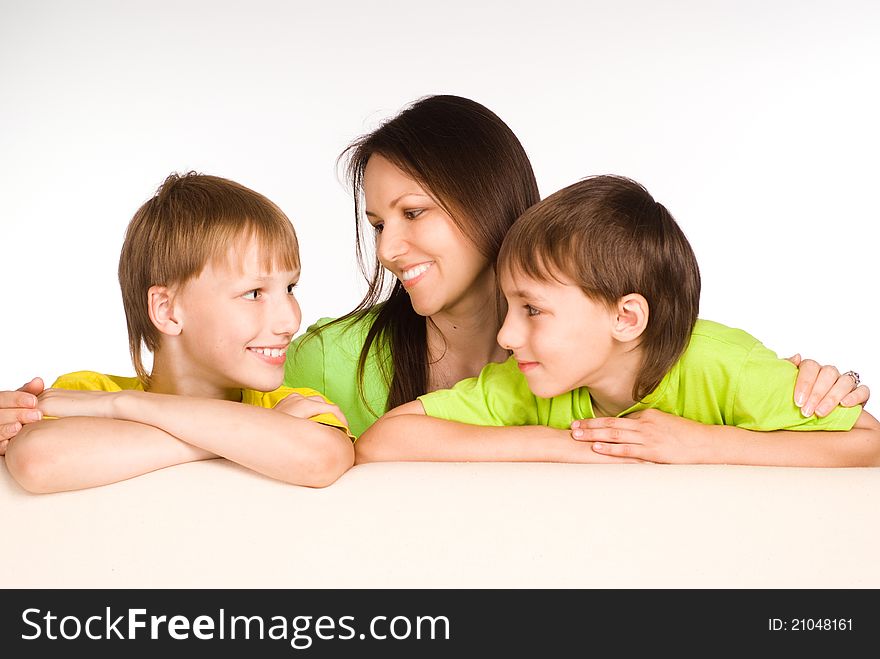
[{"x": 93, "y": 381}]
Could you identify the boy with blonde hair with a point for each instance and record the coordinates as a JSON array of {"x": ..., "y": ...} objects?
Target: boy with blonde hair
[
  {"x": 603, "y": 292},
  {"x": 207, "y": 271}
]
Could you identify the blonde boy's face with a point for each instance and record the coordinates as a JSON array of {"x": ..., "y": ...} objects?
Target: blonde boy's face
[
  {"x": 237, "y": 322},
  {"x": 561, "y": 339}
]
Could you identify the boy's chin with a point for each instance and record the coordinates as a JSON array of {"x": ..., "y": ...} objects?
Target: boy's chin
[
  {"x": 263, "y": 384},
  {"x": 542, "y": 390}
]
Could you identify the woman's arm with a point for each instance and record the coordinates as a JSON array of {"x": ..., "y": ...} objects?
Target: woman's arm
[
  {"x": 274, "y": 443},
  {"x": 406, "y": 433},
  {"x": 659, "y": 437},
  {"x": 79, "y": 452}
]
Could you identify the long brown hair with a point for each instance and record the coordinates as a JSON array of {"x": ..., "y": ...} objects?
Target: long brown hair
[
  {"x": 609, "y": 236},
  {"x": 471, "y": 162}
]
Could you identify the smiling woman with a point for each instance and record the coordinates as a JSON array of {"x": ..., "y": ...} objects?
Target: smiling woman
[{"x": 440, "y": 183}]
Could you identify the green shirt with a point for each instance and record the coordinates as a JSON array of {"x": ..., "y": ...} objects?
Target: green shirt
[
  {"x": 327, "y": 361},
  {"x": 724, "y": 377}
]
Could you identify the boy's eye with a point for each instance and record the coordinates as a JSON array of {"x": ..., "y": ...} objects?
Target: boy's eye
[
  {"x": 290, "y": 288},
  {"x": 252, "y": 295},
  {"x": 413, "y": 213},
  {"x": 531, "y": 311}
]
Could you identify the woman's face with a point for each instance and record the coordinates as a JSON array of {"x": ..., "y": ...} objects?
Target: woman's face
[{"x": 418, "y": 243}]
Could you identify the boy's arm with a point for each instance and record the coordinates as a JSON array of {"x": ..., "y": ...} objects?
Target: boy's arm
[
  {"x": 659, "y": 437},
  {"x": 79, "y": 452},
  {"x": 406, "y": 433},
  {"x": 274, "y": 443}
]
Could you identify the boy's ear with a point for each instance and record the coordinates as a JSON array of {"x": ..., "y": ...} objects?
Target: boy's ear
[
  {"x": 160, "y": 302},
  {"x": 632, "y": 317}
]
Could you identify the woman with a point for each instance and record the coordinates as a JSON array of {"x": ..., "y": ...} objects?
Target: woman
[{"x": 440, "y": 184}]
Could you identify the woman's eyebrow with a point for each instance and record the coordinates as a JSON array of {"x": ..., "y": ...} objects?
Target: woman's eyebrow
[{"x": 396, "y": 201}]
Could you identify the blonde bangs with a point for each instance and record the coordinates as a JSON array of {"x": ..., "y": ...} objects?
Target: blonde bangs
[{"x": 276, "y": 244}]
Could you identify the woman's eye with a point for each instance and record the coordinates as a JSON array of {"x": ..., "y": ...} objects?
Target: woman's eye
[
  {"x": 413, "y": 213},
  {"x": 531, "y": 311},
  {"x": 252, "y": 295},
  {"x": 378, "y": 227}
]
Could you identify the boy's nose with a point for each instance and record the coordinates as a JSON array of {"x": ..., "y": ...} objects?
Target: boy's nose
[
  {"x": 288, "y": 317},
  {"x": 508, "y": 338}
]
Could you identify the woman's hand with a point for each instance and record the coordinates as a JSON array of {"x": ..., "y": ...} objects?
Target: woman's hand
[
  {"x": 649, "y": 435},
  {"x": 306, "y": 407},
  {"x": 18, "y": 408},
  {"x": 819, "y": 389}
]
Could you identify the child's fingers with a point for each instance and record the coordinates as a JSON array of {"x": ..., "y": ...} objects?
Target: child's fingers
[
  {"x": 329, "y": 408},
  {"x": 339, "y": 415},
  {"x": 627, "y": 422},
  {"x": 611, "y": 428},
  {"x": 616, "y": 435},
  {"x": 17, "y": 398},
  {"x": 3, "y": 444},
  {"x": 9, "y": 430},
  {"x": 19, "y": 415},
  {"x": 619, "y": 450},
  {"x": 35, "y": 386}
]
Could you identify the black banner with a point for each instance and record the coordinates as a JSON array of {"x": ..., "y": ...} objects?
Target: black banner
[{"x": 315, "y": 623}]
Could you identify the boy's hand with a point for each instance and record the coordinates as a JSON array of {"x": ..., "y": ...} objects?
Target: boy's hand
[
  {"x": 305, "y": 407},
  {"x": 68, "y": 402},
  {"x": 18, "y": 408},
  {"x": 646, "y": 435}
]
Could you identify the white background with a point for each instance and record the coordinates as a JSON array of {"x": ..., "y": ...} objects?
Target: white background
[{"x": 755, "y": 123}]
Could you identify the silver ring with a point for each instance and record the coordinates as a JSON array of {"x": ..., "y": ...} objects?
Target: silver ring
[{"x": 855, "y": 378}]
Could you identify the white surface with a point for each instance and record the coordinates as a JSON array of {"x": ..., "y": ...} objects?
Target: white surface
[
  {"x": 754, "y": 122},
  {"x": 215, "y": 525}
]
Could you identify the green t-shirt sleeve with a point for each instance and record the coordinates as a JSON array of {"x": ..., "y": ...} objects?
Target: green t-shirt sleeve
[
  {"x": 305, "y": 361},
  {"x": 764, "y": 398},
  {"x": 498, "y": 396}
]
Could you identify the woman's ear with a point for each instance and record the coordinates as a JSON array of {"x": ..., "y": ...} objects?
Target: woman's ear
[
  {"x": 160, "y": 303},
  {"x": 632, "y": 317}
]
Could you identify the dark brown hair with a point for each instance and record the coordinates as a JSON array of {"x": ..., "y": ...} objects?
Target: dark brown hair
[
  {"x": 191, "y": 220},
  {"x": 476, "y": 169},
  {"x": 609, "y": 236}
]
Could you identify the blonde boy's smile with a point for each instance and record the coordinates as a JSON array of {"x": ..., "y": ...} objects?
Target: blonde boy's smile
[{"x": 275, "y": 356}]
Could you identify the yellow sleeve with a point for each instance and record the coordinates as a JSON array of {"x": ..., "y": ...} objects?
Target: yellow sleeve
[{"x": 93, "y": 381}]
